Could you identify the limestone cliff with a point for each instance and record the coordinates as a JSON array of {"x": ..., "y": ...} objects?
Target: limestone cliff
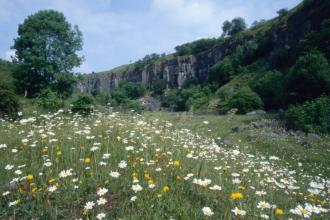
[{"x": 281, "y": 33}]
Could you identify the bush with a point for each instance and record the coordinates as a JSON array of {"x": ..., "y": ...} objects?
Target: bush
[
  {"x": 268, "y": 86},
  {"x": 195, "y": 47},
  {"x": 104, "y": 98},
  {"x": 311, "y": 116},
  {"x": 222, "y": 72},
  {"x": 173, "y": 99},
  {"x": 244, "y": 99},
  {"x": 50, "y": 100},
  {"x": 84, "y": 104},
  {"x": 8, "y": 101},
  {"x": 8, "y": 104},
  {"x": 309, "y": 78},
  {"x": 132, "y": 104}
]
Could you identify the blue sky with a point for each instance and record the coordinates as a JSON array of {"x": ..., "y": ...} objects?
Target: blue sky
[{"x": 121, "y": 31}]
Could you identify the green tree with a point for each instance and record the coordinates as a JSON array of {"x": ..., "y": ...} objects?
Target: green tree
[
  {"x": 9, "y": 105},
  {"x": 226, "y": 27},
  {"x": 235, "y": 26},
  {"x": 46, "y": 51},
  {"x": 282, "y": 11},
  {"x": 309, "y": 78},
  {"x": 238, "y": 25}
]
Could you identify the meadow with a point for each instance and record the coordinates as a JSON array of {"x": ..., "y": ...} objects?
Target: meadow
[{"x": 158, "y": 166}]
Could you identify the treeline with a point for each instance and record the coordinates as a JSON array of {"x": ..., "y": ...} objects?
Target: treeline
[{"x": 252, "y": 73}]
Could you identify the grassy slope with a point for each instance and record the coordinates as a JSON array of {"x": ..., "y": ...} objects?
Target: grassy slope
[{"x": 312, "y": 152}]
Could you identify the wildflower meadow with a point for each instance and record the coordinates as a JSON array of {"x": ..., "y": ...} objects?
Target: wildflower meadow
[{"x": 130, "y": 166}]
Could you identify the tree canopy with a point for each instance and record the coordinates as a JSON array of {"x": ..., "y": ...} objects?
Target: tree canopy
[
  {"x": 46, "y": 51},
  {"x": 235, "y": 26}
]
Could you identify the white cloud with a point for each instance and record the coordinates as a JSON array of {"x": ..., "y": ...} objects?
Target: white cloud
[
  {"x": 116, "y": 35},
  {"x": 186, "y": 12},
  {"x": 84, "y": 68}
]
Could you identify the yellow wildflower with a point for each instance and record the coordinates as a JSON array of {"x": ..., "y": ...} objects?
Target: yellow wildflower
[
  {"x": 176, "y": 163},
  {"x": 279, "y": 212},
  {"x": 87, "y": 160},
  {"x": 236, "y": 195},
  {"x": 166, "y": 189},
  {"x": 29, "y": 177},
  {"x": 241, "y": 187}
]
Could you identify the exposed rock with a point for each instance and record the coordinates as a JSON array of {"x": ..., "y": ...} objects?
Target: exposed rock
[
  {"x": 150, "y": 104},
  {"x": 312, "y": 135},
  {"x": 270, "y": 134},
  {"x": 256, "y": 125},
  {"x": 256, "y": 112},
  {"x": 174, "y": 70},
  {"x": 232, "y": 111}
]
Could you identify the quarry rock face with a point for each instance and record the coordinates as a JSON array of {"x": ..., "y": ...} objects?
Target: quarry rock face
[{"x": 282, "y": 37}]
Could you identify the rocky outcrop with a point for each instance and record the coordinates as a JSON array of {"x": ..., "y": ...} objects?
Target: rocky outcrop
[{"x": 281, "y": 33}]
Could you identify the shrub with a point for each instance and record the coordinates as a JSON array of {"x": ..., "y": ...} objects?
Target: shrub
[
  {"x": 103, "y": 98},
  {"x": 222, "y": 71},
  {"x": 8, "y": 101},
  {"x": 195, "y": 97},
  {"x": 173, "y": 99},
  {"x": 133, "y": 90},
  {"x": 311, "y": 116},
  {"x": 195, "y": 47},
  {"x": 84, "y": 104},
  {"x": 244, "y": 99},
  {"x": 50, "y": 100},
  {"x": 268, "y": 86},
  {"x": 309, "y": 78},
  {"x": 8, "y": 104},
  {"x": 132, "y": 104}
]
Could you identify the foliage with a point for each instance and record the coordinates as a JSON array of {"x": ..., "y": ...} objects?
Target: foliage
[
  {"x": 9, "y": 104},
  {"x": 192, "y": 97},
  {"x": 127, "y": 90},
  {"x": 103, "y": 98},
  {"x": 173, "y": 99},
  {"x": 158, "y": 87},
  {"x": 83, "y": 104},
  {"x": 46, "y": 49},
  {"x": 235, "y": 26},
  {"x": 133, "y": 105},
  {"x": 311, "y": 116},
  {"x": 279, "y": 58},
  {"x": 269, "y": 87},
  {"x": 309, "y": 78},
  {"x": 319, "y": 40},
  {"x": 133, "y": 90},
  {"x": 7, "y": 81},
  {"x": 222, "y": 71},
  {"x": 49, "y": 100},
  {"x": 195, "y": 47},
  {"x": 147, "y": 60},
  {"x": 244, "y": 99},
  {"x": 257, "y": 23},
  {"x": 283, "y": 11}
]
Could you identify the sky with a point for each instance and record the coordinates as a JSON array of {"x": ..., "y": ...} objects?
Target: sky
[{"x": 117, "y": 32}]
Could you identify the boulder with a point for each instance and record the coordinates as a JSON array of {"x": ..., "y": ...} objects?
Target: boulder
[
  {"x": 150, "y": 104},
  {"x": 256, "y": 112}
]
